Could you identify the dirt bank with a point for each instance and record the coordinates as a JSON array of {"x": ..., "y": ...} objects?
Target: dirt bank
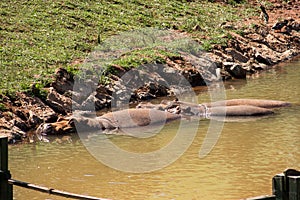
[{"x": 253, "y": 46}]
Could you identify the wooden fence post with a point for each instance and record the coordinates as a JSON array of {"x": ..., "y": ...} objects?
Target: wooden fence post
[
  {"x": 279, "y": 187},
  {"x": 294, "y": 187},
  {"x": 6, "y": 189}
]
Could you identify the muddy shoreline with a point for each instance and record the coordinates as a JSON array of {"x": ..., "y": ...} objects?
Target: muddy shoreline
[{"x": 256, "y": 49}]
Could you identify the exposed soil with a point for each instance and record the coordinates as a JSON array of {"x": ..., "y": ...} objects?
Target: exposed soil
[
  {"x": 256, "y": 48},
  {"x": 278, "y": 10}
]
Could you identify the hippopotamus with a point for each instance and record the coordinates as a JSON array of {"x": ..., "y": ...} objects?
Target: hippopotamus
[
  {"x": 150, "y": 114},
  {"x": 250, "y": 102},
  {"x": 128, "y": 118},
  {"x": 233, "y": 107}
]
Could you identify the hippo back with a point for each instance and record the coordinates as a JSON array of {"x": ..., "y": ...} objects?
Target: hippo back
[{"x": 138, "y": 117}]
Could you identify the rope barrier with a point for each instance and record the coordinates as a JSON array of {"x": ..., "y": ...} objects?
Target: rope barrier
[{"x": 52, "y": 191}]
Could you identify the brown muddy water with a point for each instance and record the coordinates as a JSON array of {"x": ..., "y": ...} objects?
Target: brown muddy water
[{"x": 241, "y": 164}]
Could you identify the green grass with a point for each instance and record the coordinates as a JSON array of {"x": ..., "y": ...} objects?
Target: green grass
[
  {"x": 136, "y": 58},
  {"x": 38, "y": 36},
  {"x": 2, "y": 107}
]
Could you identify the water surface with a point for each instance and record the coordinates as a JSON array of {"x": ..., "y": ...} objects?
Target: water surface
[{"x": 242, "y": 163}]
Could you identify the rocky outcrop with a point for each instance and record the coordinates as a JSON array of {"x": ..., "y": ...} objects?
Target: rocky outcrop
[
  {"x": 22, "y": 113},
  {"x": 258, "y": 48}
]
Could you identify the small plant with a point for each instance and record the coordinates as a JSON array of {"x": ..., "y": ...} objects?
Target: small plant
[
  {"x": 104, "y": 80},
  {"x": 235, "y": 2},
  {"x": 139, "y": 57},
  {"x": 37, "y": 90},
  {"x": 3, "y": 107},
  {"x": 10, "y": 93},
  {"x": 206, "y": 45}
]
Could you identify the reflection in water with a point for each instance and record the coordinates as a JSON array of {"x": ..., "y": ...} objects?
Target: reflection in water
[{"x": 247, "y": 155}]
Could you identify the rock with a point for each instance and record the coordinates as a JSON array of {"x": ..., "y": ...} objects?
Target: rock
[
  {"x": 94, "y": 102},
  {"x": 118, "y": 70},
  {"x": 275, "y": 44},
  {"x": 237, "y": 55},
  {"x": 254, "y": 37},
  {"x": 22, "y": 125},
  {"x": 8, "y": 129},
  {"x": 194, "y": 77},
  {"x": 294, "y": 25},
  {"x": 28, "y": 111},
  {"x": 227, "y": 25},
  {"x": 288, "y": 54},
  {"x": 279, "y": 25},
  {"x": 263, "y": 59},
  {"x": 64, "y": 81},
  {"x": 34, "y": 119},
  {"x": 157, "y": 89},
  {"x": 150, "y": 91},
  {"x": 101, "y": 96},
  {"x": 83, "y": 89},
  {"x": 259, "y": 67},
  {"x": 145, "y": 96},
  {"x": 224, "y": 56},
  {"x": 235, "y": 70},
  {"x": 24, "y": 113},
  {"x": 277, "y": 5},
  {"x": 58, "y": 102}
]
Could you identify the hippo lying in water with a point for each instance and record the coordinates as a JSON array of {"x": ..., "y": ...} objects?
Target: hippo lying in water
[
  {"x": 128, "y": 118},
  {"x": 233, "y": 107},
  {"x": 147, "y": 114}
]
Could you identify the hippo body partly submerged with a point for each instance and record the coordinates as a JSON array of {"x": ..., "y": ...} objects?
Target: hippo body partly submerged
[
  {"x": 233, "y": 107},
  {"x": 128, "y": 118},
  {"x": 150, "y": 114},
  {"x": 270, "y": 104}
]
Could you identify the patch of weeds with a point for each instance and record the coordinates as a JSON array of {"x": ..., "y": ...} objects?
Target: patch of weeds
[
  {"x": 268, "y": 4},
  {"x": 207, "y": 45},
  {"x": 133, "y": 59},
  {"x": 72, "y": 70},
  {"x": 11, "y": 94},
  {"x": 236, "y": 2},
  {"x": 37, "y": 90},
  {"x": 240, "y": 32},
  {"x": 104, "y": 80},
  {"x": 136, "y": 58},
  {"x": 3, "y": 107}
]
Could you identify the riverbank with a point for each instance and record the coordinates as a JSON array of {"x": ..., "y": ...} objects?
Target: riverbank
[{"x": 248, "y": 50}]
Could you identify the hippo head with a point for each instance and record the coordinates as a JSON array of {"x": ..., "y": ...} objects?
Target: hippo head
[{"x": 59, "y": 127}]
